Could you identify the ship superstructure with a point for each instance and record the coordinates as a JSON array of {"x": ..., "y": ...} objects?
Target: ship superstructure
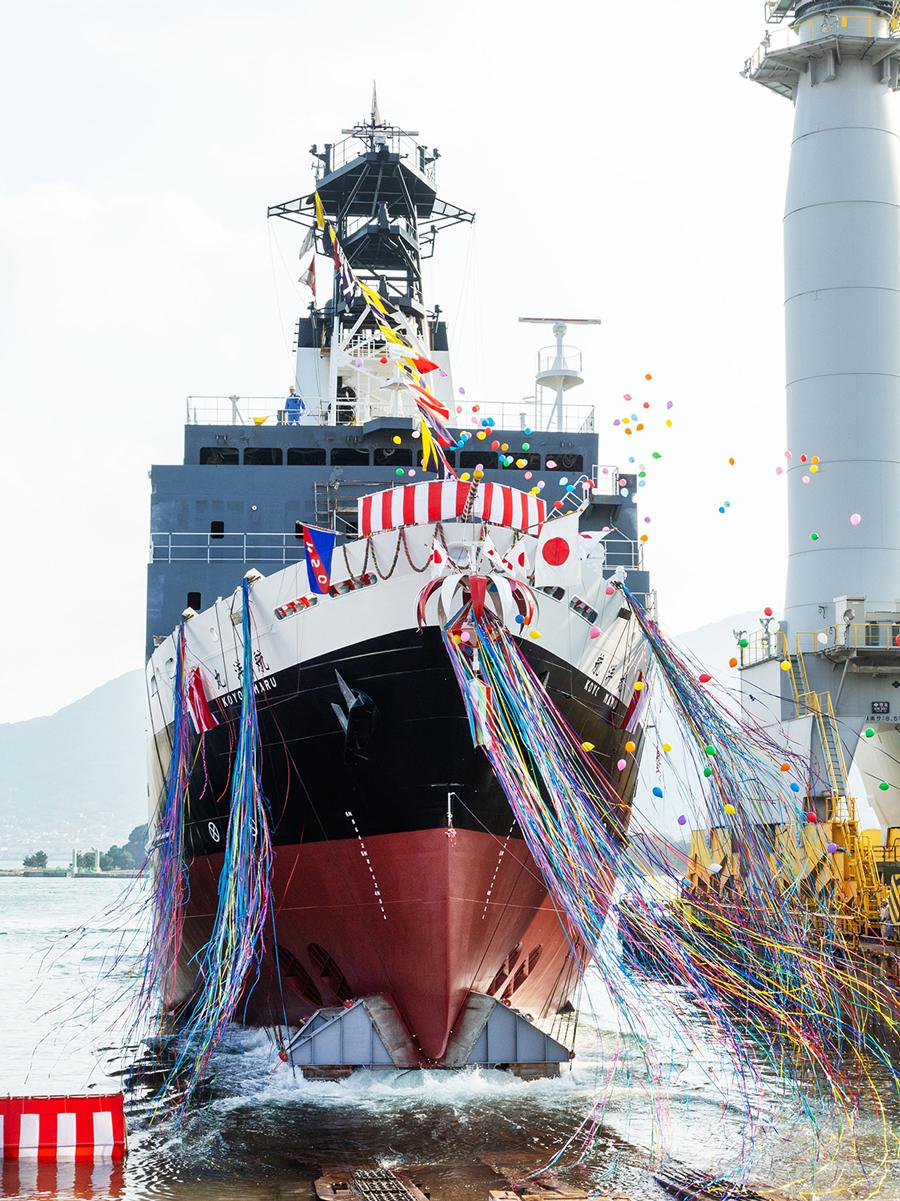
[{"x": 399, "y": 871}]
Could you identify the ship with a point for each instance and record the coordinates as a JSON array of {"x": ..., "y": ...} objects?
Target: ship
[{"x": 399, "y": 871}]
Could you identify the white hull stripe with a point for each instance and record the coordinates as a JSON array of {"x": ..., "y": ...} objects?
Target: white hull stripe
[{"x": 440, "y": 500}]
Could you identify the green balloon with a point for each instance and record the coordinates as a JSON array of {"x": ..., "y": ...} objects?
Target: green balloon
[
  {"x": 710, "y": 750},
  {"x": 707, "y": 771},
  {"x": 884, "y": 786},
  {"x": 744, "y": 643},
  {"x": 870, "y": 733}
]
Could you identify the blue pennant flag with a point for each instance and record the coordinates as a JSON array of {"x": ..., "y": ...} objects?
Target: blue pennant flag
[{"x": 319, "y": 549}]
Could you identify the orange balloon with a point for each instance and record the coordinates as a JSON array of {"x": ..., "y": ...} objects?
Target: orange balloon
[
  {"x": 732, "y": 662},
  {"x": 630, "y": 747}
]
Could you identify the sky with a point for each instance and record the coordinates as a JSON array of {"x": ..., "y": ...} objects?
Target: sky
[{"x": 619, "y": 166}]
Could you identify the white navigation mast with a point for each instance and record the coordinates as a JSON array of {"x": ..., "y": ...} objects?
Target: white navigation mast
[{"x": 559, "y": 366}]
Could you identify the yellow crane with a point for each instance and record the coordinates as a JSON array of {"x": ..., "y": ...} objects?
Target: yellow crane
[{"x": 895, "y": 17}]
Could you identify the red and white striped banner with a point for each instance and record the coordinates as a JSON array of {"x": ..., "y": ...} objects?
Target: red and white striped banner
[
  {"x": 49, "y": 1128},
  {"x": 444, "y": 500}
]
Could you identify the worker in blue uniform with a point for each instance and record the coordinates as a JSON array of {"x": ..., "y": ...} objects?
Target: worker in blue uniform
[{"x": 294, "y": 406}]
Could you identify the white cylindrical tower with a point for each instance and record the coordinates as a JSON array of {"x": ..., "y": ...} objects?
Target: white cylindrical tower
[
  {"x": 842, "y": 312},
  {"x": 840, "y": 689}
]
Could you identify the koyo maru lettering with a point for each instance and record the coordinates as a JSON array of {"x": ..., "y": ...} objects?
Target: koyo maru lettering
[{"x": 266, "y": 684}]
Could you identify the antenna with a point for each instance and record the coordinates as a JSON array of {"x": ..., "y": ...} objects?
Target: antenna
[{"x": 560, "y": 321}]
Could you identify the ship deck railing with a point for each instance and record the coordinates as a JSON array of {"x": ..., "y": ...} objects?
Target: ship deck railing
[
  {"x": 250, "y": 546},
  {"x": 537, "y": 415}
]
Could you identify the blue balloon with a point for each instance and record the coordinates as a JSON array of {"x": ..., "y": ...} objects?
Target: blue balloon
[
  {"x": 657, "y": 791},
  {"x": 795, "y": 788}
]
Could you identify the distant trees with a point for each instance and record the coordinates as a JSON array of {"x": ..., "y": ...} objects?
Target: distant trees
[
  {"x": 129, "y": 856},
  {"x": 38, "y": 859}
]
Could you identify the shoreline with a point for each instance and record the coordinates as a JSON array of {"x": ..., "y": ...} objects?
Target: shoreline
[{"x": 65, "y": 873}]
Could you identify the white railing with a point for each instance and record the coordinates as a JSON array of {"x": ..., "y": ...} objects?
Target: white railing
[
  {"x": 606, "y": 479},
  {"x": 549, "y": 359},
  {"x": 527, "y": 414},
  {"x": 204, "y": 547}
]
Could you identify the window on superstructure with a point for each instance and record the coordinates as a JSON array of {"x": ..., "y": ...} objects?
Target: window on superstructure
[
  {"x": 563, "y": 462},
  {"x": 262, "y": 456},
  {"x": 349, "y": 456},
  {"x": 532, "y": 460},
  {"x": 193, "y": 601},
  {"x": 393, "y": 456},
  {"x": 217, "y": 529},
  {"x": 219, "y": 456},
  {"x": 305, "y": 456},
  {"x": 471, "y": 458}
]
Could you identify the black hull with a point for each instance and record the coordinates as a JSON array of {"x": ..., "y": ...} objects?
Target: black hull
[{"x": 401, "y": 755}]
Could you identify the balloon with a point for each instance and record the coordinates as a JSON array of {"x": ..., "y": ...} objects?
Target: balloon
[
  {"x": 715, "y": 868},
  {"x": 795, "y": 787},
  {"x": 803, "y": 459},
  {"x": 870, "y": 733},
  {"x": 657, "y": 791},
  {"x": 767, "y": 611},
  {"x": 707, "y": 771},
  {"x": 682, "y": 820},
  {"x": 743, "y": 643},
  {"x": 609, "y": 590},
  {"x": 520, "y": 620},
  {"x": 526, "y": 446},
  {"x": 462, "y": 392},
  {"x": 630, "y": 747},
  {"x": 527, "y": 475},
  {"x": 788, "y": 455},
  {"x": 730, "y": 810},
  {"x": 587, "y": 746},
  {"x": 495, "y": 445},
  {"x": 410, "y": 472},
  {"x": 639, "y": 686},
  {"x": 855, "y": 519},
  {"x": 465, "y": 477},
  {"x": 779, "y": 471},
  {"x": 466, "y": 636},
  {"x": 670, "y": 404},
  {"x": 814, "y": 537},
  {"x": 564, "y": 480},
  {"x": 533, "y": 634},
  {"x": 884, "y": 786},
  {"x": 732, "y": 662},
  {"x": 785, "y": 665},
  {"x": 396, "y": 439},
  {"x": 479, "y": 475},
  {"x": 550, "y": 464},
  {"x": 822, "y": 639},
  {"x": 666, "y": 746},
  {"x": 399, "y": 471},
  {"x": 557, "y": 504},
  {"x": 648, "y": 376},
  {"x": 595, "y": 633},
  {"x": 806, "y": 479},
  {"x": 832, "y": 848},
  {"x": 785, "y": 767},
  {"x": 527, "y": 433},
  {"x": 621, "y": 765},
  {"x": 812, "y": 818},
  {"x": 710, "y": 750},
  {"x": 731, "y": 462},
  {"x": 705, "y": 677}
]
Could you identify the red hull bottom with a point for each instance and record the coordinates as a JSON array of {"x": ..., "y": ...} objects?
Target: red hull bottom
[{"x": 423, "y": 918}]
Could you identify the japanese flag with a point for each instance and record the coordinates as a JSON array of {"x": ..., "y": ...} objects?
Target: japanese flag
[
  {"x": 440, "y": 563},
  {"x": 492, "y": 558},
  {"x": 558, "y": 558}
]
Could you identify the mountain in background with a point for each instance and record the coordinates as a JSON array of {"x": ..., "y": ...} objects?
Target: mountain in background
[{"x": 76, "y": 778}]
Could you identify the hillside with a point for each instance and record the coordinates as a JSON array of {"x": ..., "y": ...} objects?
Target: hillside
[{"x": 76, "y": 777}]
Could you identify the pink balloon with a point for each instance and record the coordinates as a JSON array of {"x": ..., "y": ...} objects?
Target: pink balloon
[
  {"x": 788, "y": 454},
  {"x": 855, "y": 519},
  {"x": 595, "y": 633},
  {"x": 621, "y": 765},
  {"x": 465, "y": 636},
  {"x": 779, "y": 471},
  {"x": 610, "y": 590},
  {"x": 550, "y": 464},
  {"x": 807, "y": 479}
]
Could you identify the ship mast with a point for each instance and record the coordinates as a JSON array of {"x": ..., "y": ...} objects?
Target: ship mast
[{"x": 377, "y": 190}]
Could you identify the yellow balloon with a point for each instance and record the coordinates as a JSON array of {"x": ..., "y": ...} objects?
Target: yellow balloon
[
  {"x": 639, "y": 686},
  {"x": 785, "y": 665},
  {"x": 730, "y": 810},
  {"x": 587, "y": 746},
  {"x": 479, "y": 475},
  {"x": 533, "y": 634},
  {"x": 465, "y": 477},
  {"x": 630, "y": 747},
  {"x": 396, "y": 439},
  {"x": 666, "y": 746}
]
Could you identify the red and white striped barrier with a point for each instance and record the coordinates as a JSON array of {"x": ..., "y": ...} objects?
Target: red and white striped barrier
[
  {"x": 50, "y": 1128},
  {"x": 444, "y": 500}
]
